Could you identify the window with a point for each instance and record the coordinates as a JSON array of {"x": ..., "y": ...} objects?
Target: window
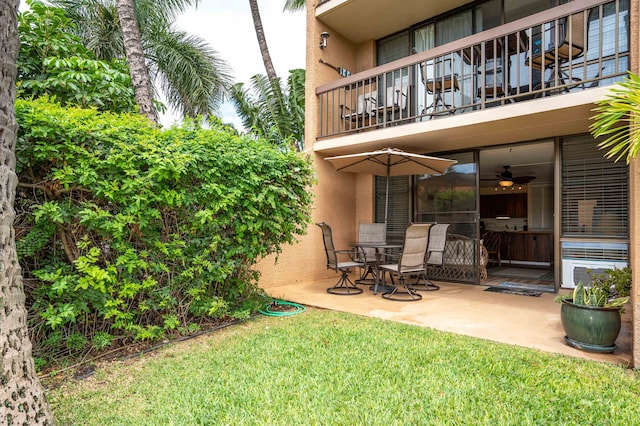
[
  {"x": 392, "y": 48},
  {"x": 516, "y": 9},
  {"x": 595, "y": 191},
  {"x": 450, "y": 27}
]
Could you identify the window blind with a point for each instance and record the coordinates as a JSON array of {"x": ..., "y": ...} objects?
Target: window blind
[
  {"x": 595, "y": 191},
  {"x": 398, "y": 213}
]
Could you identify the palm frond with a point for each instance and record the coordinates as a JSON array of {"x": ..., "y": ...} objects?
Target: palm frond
[
  {"x": 162, "y": 10},
  {"x": 272, "y": 111},
  {"x": 247, "y": 109},
  {"x": 294, "y": 5},
  {"x": 617, "y": 119},
  {"x": 193, "y": 77},
  {"x": 97, "y": 24}
]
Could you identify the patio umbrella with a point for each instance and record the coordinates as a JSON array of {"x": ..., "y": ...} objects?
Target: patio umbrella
[{"x": 390, "y": 162}]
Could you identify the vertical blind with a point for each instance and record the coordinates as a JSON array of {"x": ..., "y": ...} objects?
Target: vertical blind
[
  {"x": 398, "y": 213},
  {"x": 595, "y": 191}
]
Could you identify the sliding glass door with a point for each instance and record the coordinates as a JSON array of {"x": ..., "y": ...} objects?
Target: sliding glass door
[{"x": 453, "y": 198}]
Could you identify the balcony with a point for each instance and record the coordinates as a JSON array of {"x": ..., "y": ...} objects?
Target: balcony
[{"x": 569, "y": 49}]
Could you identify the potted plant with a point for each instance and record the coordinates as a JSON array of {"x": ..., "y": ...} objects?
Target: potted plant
[{"x": 591, "y": 315}]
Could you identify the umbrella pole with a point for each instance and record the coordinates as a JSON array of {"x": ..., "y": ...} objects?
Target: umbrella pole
[{"x": 386, "y": 195}]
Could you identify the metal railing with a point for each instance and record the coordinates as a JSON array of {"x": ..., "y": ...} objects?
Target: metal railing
[{"x": 569, "y": 48}]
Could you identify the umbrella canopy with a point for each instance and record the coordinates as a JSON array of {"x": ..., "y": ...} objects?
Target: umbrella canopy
[{"x": 390, "y": 162}]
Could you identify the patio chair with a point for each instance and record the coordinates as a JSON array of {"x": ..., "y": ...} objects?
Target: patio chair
[
  {"x": 370, "y": 233},
  {"x": 344, "y": 286},
  {"x": 435, "y": 255},
  {"x": 437, "y": 87},
  {"x": 412, "y": 261},
  {"x": 395, "y": 103},
  {"x": 364, "y": 108},
  {"x": 570, "y": 45},
  {"x": 492, "y": 241},
  {"x": 484, "y": 259}
]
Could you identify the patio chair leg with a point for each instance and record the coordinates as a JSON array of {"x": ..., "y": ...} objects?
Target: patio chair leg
[
  {"x": 428, "y": 285},
  {"x": 405, "y": 294},
  {"x": 367, "y": 281},
  {"x": 344, "y": 286}
]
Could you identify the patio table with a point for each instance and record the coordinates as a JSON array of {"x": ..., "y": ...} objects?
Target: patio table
[{"x": 380, "y": 248}]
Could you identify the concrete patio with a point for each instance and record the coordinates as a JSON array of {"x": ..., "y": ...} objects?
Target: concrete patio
[{"x": 533, "y": 322}]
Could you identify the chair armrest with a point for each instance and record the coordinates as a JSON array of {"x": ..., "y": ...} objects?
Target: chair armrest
[
  {"x": 353, "y": 254},
  {"x": 370, "y": 105},
  {"x": 345, "y": 111}
]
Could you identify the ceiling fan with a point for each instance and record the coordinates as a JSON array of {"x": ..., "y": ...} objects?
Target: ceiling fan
[{"x": 506, "y": 178}]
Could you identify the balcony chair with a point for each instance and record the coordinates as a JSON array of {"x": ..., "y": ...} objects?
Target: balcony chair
[
  {"x": 364, "y": 109},
  {"x": 370, "y": 233},
  {"x": 494, "y": 68},
  {"x": 492, "y": 241},
  {"x": 437, "y": 87},
  {"x": 412, "y": 261},
  {"x": 571, "y": 45},
  {"x": 395, "y": 103},
  {"x": 497, "y": 54},
  {"x": 344, "y": 286},
  {"x": 435, "y": 255}
]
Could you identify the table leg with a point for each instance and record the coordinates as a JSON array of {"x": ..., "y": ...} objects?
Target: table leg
[{"x": 377, "y": 285}]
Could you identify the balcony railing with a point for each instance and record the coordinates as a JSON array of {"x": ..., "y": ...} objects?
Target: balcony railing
[{"x": 569, "y": 48}]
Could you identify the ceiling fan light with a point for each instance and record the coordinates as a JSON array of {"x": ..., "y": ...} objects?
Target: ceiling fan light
[{"x": 505, "y": 183}]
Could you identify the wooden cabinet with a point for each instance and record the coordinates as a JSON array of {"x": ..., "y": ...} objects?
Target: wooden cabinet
[
  {"x": 528, "y": 246},
  {"x": 512, "y": 205}
]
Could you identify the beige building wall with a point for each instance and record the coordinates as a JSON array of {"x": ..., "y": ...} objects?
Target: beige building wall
[{"x": 347, "y": 199}]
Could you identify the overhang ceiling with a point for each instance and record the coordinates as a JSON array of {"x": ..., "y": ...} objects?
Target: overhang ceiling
[{"x": 362, "y": 20}]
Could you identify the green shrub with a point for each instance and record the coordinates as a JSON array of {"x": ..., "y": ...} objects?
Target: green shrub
[{"x": 134, "y": 231}]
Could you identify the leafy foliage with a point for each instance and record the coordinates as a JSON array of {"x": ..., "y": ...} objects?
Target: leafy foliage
[
  {"x": 611, "y": 289},
  {"x": 54, "y": 62},
  {"x": 191, "y": 74},
  {"x": 271, "y": 111},
  {"x": 618, "y": 119},
  {"x": 134, "y": 231}
]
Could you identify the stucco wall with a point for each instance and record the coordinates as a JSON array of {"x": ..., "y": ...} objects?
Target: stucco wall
[{"x": 346, "y": 198}]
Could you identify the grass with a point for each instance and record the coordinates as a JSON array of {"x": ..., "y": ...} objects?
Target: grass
[{"x": 329, "y": 368}]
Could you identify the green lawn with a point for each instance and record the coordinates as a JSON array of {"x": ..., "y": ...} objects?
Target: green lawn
[{"x": 329, "y": 368}]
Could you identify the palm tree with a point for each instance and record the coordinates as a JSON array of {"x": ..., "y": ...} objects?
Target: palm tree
[
  {"x": 272, "y": 111},
  {"x": 191, "y": 75},
  {"x": 135, "y": 58},
  {"x": 621, "y": 107},
  {"x": 262, "y": 41},
  {"x": 289, "y": 5},
  {"x": 21, "y": 393}
]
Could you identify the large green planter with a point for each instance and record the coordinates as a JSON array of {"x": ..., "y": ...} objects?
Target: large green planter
[{"x": 590, "y": 329}]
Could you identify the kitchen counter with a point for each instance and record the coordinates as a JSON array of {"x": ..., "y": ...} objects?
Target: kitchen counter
[
  {"x": 511, "y": 231},
  {"x": 527, "y": 246}
]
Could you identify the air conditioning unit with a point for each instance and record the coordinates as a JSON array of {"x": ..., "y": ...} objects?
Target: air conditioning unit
[{"x": 576, "y": 270}]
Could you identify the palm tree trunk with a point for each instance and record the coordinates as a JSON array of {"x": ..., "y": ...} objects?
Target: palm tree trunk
[
  {"x": 22, "y": 398},
  {"x": 262, "y": 41},
  {"x": 135, "y": 58}
]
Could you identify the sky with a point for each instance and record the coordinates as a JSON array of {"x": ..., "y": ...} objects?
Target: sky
[{"x": 227, "y": 27}]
